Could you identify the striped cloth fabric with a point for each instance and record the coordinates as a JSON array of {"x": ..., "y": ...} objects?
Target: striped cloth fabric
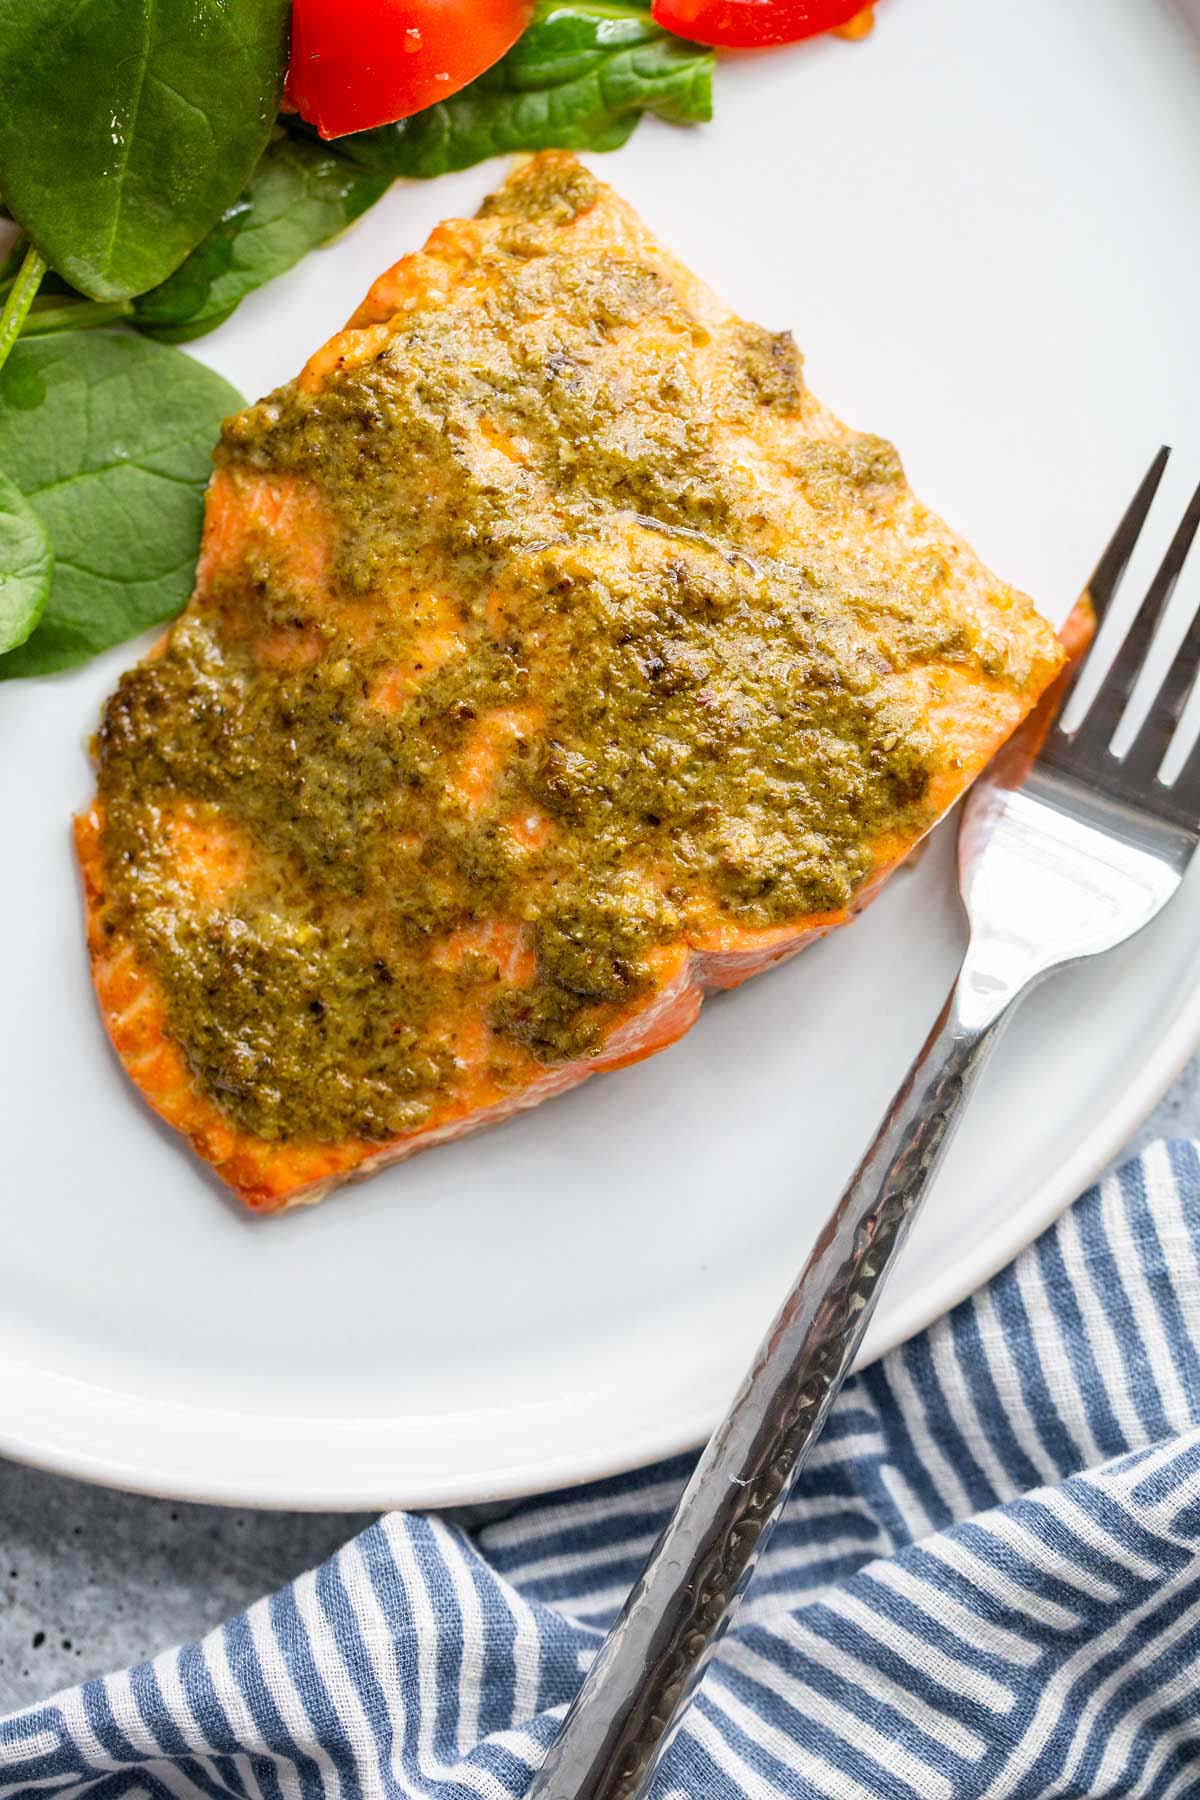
[{"x": 988, "y": 1585}]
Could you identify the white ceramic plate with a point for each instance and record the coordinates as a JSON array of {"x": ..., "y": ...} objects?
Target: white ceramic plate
[{"x": 982, "y": 226}]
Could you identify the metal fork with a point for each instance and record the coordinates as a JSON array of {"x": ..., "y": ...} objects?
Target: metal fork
[{"x": 1065, "y": 850}]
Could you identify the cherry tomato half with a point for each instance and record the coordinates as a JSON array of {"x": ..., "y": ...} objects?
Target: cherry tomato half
[
  {"x": 359, "y": 63},
  {"x": 749, "y": 24}
]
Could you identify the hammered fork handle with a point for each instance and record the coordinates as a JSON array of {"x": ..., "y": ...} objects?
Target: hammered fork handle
[{"x": 636, "y": 1691}]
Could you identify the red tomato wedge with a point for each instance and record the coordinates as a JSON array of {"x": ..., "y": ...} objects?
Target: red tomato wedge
[
  {"x": 752, "y": 24},
  {"x": 360, "y": 63}
]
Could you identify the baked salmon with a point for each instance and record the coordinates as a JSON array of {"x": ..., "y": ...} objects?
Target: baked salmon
[{"x": 554, "y": 659}]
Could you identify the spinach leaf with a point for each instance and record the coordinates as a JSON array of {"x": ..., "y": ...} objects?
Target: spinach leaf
[
  {"x": 300, "y": 194},
  {"x": 578, "y": 79},
  {"x": 25, "y": 564},
  {"x": 128, "y": 126},
  {"x": 109, "y": 437}
]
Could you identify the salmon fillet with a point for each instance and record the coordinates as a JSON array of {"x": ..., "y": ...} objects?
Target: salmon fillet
[{"x": 555, "y": 658}]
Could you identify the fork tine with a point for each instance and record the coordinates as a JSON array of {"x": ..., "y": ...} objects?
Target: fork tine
[
  {"x": 1109, "y": 703},
  {"x": 1154, "y": 737},
  {"x": 1106, "y": 576}
]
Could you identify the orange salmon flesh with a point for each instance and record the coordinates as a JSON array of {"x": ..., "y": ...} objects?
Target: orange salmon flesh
[{"x": 966, "y": 708}]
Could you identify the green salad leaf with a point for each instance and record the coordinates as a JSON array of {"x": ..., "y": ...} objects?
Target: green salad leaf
[
  {"x": 137, "y": 225},
  {"x": 128, "y": 126},
  {"x": 26, "y": 560},
  {"x": 141, "y": 157},
  {"x": 578, "y": 79},
  {"x": 301, "y": 194},
  {"x": 109, "y": 438}
]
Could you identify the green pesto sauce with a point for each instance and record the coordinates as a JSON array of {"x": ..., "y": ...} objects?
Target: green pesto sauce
[{"x": 713, "y": 722}]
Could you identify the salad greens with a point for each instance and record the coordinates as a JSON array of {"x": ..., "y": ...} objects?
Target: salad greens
[
  {"x": 578, "y": 79},
  {"x": 154, "y": 188},
  {"x": 126, "y": 130},
  {"x": 109, "y": 439},
  {"x": 301, "y": 194},
  {"x": 26, "y": 560}
]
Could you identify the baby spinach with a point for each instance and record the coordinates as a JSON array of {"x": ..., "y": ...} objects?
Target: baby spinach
[
  {"x": 25, "y": 564},
  {"x": 301, "y": 194},
  {"x": 578, "y": 79},
  {"x": 154, "y": 219},
  {"x": 128, "y": 126},
  {"x": 109, "y": 438},
  {"x": 141, "y": 158}
]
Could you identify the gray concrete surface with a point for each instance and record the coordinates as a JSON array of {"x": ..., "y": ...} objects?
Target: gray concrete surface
[{"x": 91, "y": 1580}]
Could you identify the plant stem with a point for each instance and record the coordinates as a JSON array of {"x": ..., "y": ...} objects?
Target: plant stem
[
  {"x": 75, "y": 315},
  {"x": 20, "y": 298}
]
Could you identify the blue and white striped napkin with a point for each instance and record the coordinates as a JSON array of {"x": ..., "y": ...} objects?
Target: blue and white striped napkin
[{"x": 989, "y": 1584}]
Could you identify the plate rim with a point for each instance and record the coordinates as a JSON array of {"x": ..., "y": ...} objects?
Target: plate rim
[
  {"x": 162, "y": 1477},
  {"x": 71, "y": 1420}
]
